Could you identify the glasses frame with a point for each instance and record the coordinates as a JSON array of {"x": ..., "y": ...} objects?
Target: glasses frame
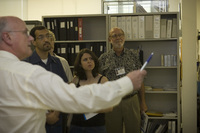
[
  {"x": 41, "y": 37},
  {"x": 26, "y": 32},
  {"x": 117, "y": 35}
]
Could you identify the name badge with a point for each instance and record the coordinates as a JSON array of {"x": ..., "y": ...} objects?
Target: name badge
[{"x": 119, "y": 71}]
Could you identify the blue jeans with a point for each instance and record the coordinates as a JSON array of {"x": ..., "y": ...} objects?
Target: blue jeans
[{"x": 97, "y": 129}]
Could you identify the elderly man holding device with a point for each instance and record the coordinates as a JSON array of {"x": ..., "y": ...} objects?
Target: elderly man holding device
[{"x": 115, "y": 64}]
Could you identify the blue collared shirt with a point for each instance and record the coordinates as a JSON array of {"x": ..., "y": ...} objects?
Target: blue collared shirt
[{"x": 53, "y": 64}]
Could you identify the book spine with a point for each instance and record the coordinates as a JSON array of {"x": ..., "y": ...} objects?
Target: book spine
[{"x": 80, "y": 28}]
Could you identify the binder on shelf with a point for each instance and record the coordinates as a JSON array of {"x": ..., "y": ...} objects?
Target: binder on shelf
[
  {"x": 91, "y": 47},
  {"x": 163, "y": 28},
  {"x": 100, "y": 48},
  {"x": 174, "y": 28},
  {"x": 113, "y": 22},
  {"x": 47, "y": 23},
  {"x": 75, "y": 28},
  {"x": 73, "y": 53},
  {"x": 67, "y": 29},
  {"x": 63, "y": 51},
  {"x": 169, "y": 28},
  {"x": 119, "y": 22},
  {"x": 77, "y": 48},
  {"x": 141, "y": 55},
  {"x": 148, "y": 26},
  {"x": 57, "y": 49},
  {"x": 84, "y": 45},
  {"x": 80, "y": 28},
  {"x": 62, "y": 29},
  {"x": 173, "y": 126},
  {"x": 52, "y": 26},
  {"x": 71, "y": 29},
  {"x": 156, "y": 26},
  {"x": 123, "y": 26},
  {"x": 169, "y": 126},
  {"x": 141, "y": 21},
  {"x": 134, "y": 27},
  {"x": 95, "y": 47},
  {"x": 128, "y": 27},
  {"x": 56, "y": 29}
]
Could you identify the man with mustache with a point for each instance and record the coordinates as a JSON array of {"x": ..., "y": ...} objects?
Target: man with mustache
[
  {"x": 115, "y": 64},
  {"x": 55, "y": 120}
]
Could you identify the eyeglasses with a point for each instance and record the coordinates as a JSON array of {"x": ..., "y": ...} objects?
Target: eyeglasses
[
  {"x": 41, "y": 37},
  {"x": 26, "y": 32},
  {"x": 117, "y": 35}
]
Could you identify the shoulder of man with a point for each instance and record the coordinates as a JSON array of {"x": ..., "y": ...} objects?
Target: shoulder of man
[
  {"x": 34, "y": 58},
  {"x": 105, "y": 55},
  {"x": 61, "y": 58},
  {"x": 132, "y": 51},
  {"x": 55, "y": 59}
]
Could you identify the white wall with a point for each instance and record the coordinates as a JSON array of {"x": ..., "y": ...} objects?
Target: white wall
[
  {"x": 13, "y": 8},
  {"x": 35, "y": 9}
]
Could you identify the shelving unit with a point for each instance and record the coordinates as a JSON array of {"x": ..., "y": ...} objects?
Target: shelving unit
[
  {"x": 158, "y": 76},
  {"x": 93, "y": 30}
]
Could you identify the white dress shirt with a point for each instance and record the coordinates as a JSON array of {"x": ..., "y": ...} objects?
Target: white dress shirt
[{"x": 27, "y": 91}]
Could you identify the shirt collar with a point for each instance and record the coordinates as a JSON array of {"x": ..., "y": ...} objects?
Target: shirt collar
[
  {"x": 123, "y": 51},
  {"x": 36, "y": 58},
  {"x": 6, "y": 54}
]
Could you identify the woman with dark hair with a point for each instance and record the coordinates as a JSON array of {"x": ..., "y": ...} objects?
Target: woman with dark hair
[{"x": 86, "y": 72}]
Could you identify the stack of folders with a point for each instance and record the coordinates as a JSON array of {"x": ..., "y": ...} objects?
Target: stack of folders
[{"x": 146, "y": 27}]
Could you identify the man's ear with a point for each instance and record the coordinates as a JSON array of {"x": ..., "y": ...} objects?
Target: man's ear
[{"x": 6, "y": 38}]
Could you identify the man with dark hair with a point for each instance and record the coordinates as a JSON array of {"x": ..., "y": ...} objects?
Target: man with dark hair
[{"x": 55, "y": 121}]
